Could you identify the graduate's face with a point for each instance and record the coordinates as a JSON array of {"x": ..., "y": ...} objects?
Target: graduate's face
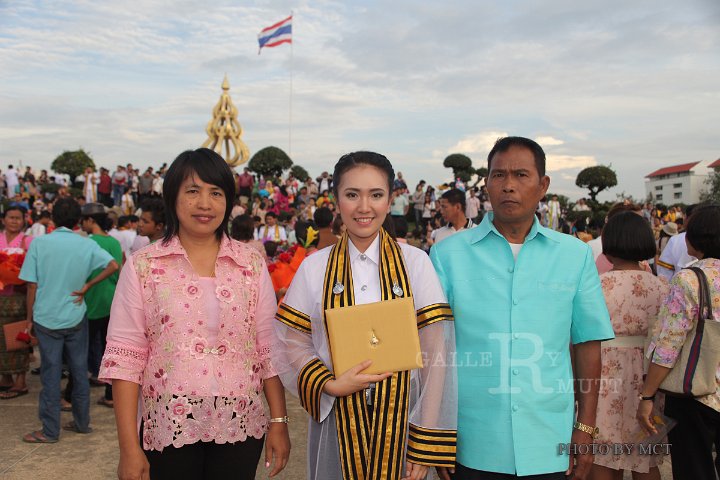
[{"x": 363, "y": 202}]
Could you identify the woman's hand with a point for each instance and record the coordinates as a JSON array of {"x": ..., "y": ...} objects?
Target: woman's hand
[
  {"x": 277, "y": 447},
  {"x": 353, "y": 381},
  {"x": 413, "y": 471},
  {"x": 644, "y": 415},
  {"x": 133, "y": 465}
]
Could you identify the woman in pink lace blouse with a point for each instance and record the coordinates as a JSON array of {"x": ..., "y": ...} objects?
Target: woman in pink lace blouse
[{"x": 189, "y": 342}]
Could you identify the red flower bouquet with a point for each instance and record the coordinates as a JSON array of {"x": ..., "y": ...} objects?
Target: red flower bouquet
[{"x": 10, "y": 265}]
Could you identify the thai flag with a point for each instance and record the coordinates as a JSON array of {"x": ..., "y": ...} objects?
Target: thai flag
[{"x": 276, "y": 34}]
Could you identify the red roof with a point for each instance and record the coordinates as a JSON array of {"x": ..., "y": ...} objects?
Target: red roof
[
  {"x": 685, "y": 167},
  {"x": 715, "y": 164}
]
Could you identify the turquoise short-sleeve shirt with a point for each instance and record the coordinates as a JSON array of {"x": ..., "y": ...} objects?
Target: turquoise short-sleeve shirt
[
  {"x": 60, "y": 263},
  {"x": 514, "y": 323}
]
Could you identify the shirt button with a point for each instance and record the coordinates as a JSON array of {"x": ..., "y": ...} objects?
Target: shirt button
[
  {"x": 511, "y": 269},
  {"x": 363, "y": 288},
  {"x": 516, "y": 336},
  {"x": 363, "y": 257},
  {"x": 515, "y": 408},
  {"x": 515, "y": 301},
  {"x": 516, "y": 371}
]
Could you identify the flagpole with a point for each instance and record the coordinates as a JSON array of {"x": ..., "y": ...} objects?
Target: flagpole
[{"x": 291, "y": 97}]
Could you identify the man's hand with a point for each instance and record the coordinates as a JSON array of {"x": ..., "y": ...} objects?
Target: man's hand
[
  {"x": 80, "y": 294},
  {"x": 580, "y": 464},
  {"x": 353, "y": 381},
  {"x": 444, "y": 473}
]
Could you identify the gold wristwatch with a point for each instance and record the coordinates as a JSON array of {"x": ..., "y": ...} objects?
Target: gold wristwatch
[{"x": 592, "y": 431}]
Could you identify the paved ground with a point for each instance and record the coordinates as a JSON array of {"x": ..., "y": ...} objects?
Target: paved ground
[{"x": 95, "y": 456}]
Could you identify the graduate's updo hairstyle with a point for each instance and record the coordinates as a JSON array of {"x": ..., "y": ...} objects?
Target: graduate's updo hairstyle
[{"x": 351, "y": 160}]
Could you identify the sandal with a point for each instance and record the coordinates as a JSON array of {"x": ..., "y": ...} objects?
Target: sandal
[
  {"x": 72, "y": 427},
  {"x": 10, "y": 394},
  {"x": 65, "y": 406},
  {"x": 105, "y": 402},
  {"x": 37, "y": 437}
]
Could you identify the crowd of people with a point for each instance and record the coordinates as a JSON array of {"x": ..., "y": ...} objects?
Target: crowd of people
[{"x": 200, "y": 292}]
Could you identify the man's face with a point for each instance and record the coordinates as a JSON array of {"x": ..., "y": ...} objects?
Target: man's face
[
  {"x": 514, "y": 185},
  {"x": 448, "y": 210},
  {"x": 270, "y": 221}
]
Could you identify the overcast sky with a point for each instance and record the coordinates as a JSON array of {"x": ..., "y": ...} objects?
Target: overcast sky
[{"x": 631, "y": 84}]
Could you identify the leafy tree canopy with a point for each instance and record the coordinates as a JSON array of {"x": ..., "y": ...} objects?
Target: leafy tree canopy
[
  {"x": 300, "y": 173},
  {"x": 713, "y": 188},
  {"x": 270, "y": 162},
  {"x": 596, "y": 179},
  {"x": 458, "y": 162},
  {"x": 72, "y": 163}
]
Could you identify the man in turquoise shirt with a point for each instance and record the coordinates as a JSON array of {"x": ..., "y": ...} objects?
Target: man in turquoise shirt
[
  {"x": 521, "y": 295},
  {"x": 56, "y": 268}
]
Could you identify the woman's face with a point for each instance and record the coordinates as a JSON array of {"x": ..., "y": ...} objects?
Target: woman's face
[
  {"x": 363, "y": 201},
  {"x": 14, "y": 221},
  {"x": 200, "y": 207}
]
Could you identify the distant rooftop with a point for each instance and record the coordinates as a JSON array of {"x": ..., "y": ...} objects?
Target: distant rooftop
[
  {"x": 715, "y": 164},
  {"x": 685, "y": 167}
]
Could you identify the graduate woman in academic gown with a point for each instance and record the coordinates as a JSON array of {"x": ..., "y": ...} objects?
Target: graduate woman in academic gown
[{"x": 369, "y": 427}]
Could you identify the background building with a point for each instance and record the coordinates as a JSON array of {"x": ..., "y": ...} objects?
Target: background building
[{"x": 679, "y": 183}]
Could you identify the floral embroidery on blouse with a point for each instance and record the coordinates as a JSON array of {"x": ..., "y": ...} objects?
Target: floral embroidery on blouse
[
  {"x": 197, "y": 383},
  {"x": 678, "y": 315}
]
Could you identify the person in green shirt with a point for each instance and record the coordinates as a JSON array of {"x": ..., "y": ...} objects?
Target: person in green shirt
[{"x": 95, "y": 222}]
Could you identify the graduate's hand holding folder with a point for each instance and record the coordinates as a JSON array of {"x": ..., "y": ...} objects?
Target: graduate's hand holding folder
[{"x": 369, "y": 342}]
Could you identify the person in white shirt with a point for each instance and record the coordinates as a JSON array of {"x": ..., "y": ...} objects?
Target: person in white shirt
[
  {"x": 157, "y": 185},
  {"x": 39, "y": 228},
  {"x": 675, "y": 256},
  {"x": 91, "y": 180},
  {"x": 452, "y": 209},
  {"x": 472, "y": 205},
  {"x": 127, "y": 204},
  {"x": 554, "y": 213},
  {"x": 399, "y": 420},
  {"x": 271, "y": 231},
  {"x": 125, "y": 233},
  {"x": 11, "y": 181}
]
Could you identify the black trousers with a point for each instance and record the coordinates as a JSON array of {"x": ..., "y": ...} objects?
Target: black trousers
[
  {"x": 692, "y": 439},
  {"x": 206, "y": 461},
  {"x": 464, "y": 473}
]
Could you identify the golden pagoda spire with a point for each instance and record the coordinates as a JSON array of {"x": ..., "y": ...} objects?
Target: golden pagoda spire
[{"x": 224, "y": 131}]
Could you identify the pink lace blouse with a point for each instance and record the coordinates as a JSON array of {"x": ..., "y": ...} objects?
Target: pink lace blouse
[{"x": 199, "y": 347}]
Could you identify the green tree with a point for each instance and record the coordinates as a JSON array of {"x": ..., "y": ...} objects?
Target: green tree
[
  {"x": 300, "y": 173},
  {"x": 713, "y": 188},
  {"x": 270, "y": 162},
  {"x": 461, "y": 166},
  {"x": 596, "y": 179},
  {"x": 72, "y": 163}
]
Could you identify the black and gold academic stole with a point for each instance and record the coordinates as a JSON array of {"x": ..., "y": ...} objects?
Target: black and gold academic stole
[{"x": 371, "y": 443}]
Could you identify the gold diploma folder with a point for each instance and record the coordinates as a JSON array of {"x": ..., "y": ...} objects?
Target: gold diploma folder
[{"x": 384, "y": 332}]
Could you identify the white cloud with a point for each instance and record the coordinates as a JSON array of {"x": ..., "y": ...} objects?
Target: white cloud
[
  {"x": 548, "y": 141},
  {"x": 565, "y": 162},
  {"x": 480, "y": 143}
]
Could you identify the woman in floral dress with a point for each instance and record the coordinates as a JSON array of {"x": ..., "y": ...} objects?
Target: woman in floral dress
[
  {"x": 633, "y": 298},
  {"x": 191, "y": 335}
]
